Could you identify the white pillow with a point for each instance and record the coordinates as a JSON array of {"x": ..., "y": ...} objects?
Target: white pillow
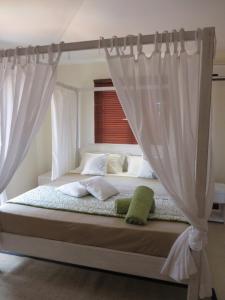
[
  {"x": 115, "y": 163},
  {"x": 85, "y": 157},
  {"x": 74, "y": 189},
  {"x": 99, "y": 188},
  {"x": 134, "y": 162},
  {"x": 96, "y": 165},
  {"x": 145, "y": 170}
]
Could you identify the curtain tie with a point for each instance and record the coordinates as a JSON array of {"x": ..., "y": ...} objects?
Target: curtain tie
[
  {"x": 180, "y": 264},
  {"x": 197, "y": 238}
]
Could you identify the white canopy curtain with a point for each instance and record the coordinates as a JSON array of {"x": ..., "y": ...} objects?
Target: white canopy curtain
[
  {"x": 160, "y": 97},
  {"x": 64, "y": 112},
  {"x": 26, "y": 86}
]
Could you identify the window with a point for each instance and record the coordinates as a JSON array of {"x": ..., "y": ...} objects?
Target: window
[{"x": 111, "y": 125}]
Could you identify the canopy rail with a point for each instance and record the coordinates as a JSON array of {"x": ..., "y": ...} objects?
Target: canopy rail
[
  {"x": 94, "y": 44},
  {"x": 86, "y": 89}
]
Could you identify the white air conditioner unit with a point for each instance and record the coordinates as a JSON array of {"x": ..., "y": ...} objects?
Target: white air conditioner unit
[{"x": 218, "y": 72}]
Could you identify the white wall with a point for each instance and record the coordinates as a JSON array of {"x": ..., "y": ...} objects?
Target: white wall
[
  {"x": 37, "y": 161},
  {"x": 26, "y": 176},
  {"x": 218, "y": 105},
  {"x": 43, "y": 143}
]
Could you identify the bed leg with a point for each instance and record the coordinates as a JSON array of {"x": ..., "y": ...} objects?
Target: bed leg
[{"x": 194, "y": 281}]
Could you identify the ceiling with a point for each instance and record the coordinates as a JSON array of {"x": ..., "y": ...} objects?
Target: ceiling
[{"x": 38, "y": 22}]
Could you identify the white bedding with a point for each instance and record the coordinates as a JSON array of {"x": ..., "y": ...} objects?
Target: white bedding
[
  {"x": 48, "y": 197},
  {"x": 126, "y": 186},
  {"x": 122, "y": 181}
]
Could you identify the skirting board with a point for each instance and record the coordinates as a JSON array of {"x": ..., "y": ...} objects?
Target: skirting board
[{"x": 100, "y": 258}]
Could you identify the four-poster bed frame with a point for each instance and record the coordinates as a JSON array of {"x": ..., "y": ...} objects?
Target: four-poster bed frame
[{"x": 130, "y": 263}]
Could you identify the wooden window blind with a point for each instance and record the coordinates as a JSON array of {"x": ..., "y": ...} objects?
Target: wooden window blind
[{"x": 111, "y": 125}]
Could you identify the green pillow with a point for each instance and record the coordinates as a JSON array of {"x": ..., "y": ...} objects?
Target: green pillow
[{"x": 122, "y": 205}]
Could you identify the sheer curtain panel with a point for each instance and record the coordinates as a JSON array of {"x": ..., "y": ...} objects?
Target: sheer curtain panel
[
  {"x": 64, "y": 130},
  {"x": 26, "y": 86},
  {"x": 160, "y": 97}
]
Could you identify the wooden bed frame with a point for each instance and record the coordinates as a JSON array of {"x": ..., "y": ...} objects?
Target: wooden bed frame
[{"x": 100, "y": 258}]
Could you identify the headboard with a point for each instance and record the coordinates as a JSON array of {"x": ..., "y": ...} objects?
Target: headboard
[{"x": 124, "y": 149}]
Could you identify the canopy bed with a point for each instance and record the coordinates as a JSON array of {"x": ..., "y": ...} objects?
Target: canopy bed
[{"x": 166, "y": 99}]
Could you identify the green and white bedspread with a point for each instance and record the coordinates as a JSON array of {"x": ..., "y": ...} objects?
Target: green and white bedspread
[{"x": 49, "y": 198}]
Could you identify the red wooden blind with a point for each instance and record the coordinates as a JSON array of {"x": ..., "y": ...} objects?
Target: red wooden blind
[{"x": 111, "y": 125}]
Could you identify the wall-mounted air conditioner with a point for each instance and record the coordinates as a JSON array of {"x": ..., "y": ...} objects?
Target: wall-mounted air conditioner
[{"x": 218, "y": 72}]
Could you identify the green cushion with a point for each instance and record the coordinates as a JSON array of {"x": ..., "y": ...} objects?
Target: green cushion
[
  {"x": 141, "y": 204},
  {"x": 122, "y": 205}
]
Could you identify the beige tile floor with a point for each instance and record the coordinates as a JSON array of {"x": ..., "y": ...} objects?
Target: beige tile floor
[{"x": 24, "y": 278}]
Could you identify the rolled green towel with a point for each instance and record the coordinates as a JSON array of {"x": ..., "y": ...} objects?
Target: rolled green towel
[
  {"x": 122, "y": 205},
  {"x": 140, "y": 206}
]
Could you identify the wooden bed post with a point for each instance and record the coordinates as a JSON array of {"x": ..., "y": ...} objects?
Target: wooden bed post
[{"x": 207, "y": 53}]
